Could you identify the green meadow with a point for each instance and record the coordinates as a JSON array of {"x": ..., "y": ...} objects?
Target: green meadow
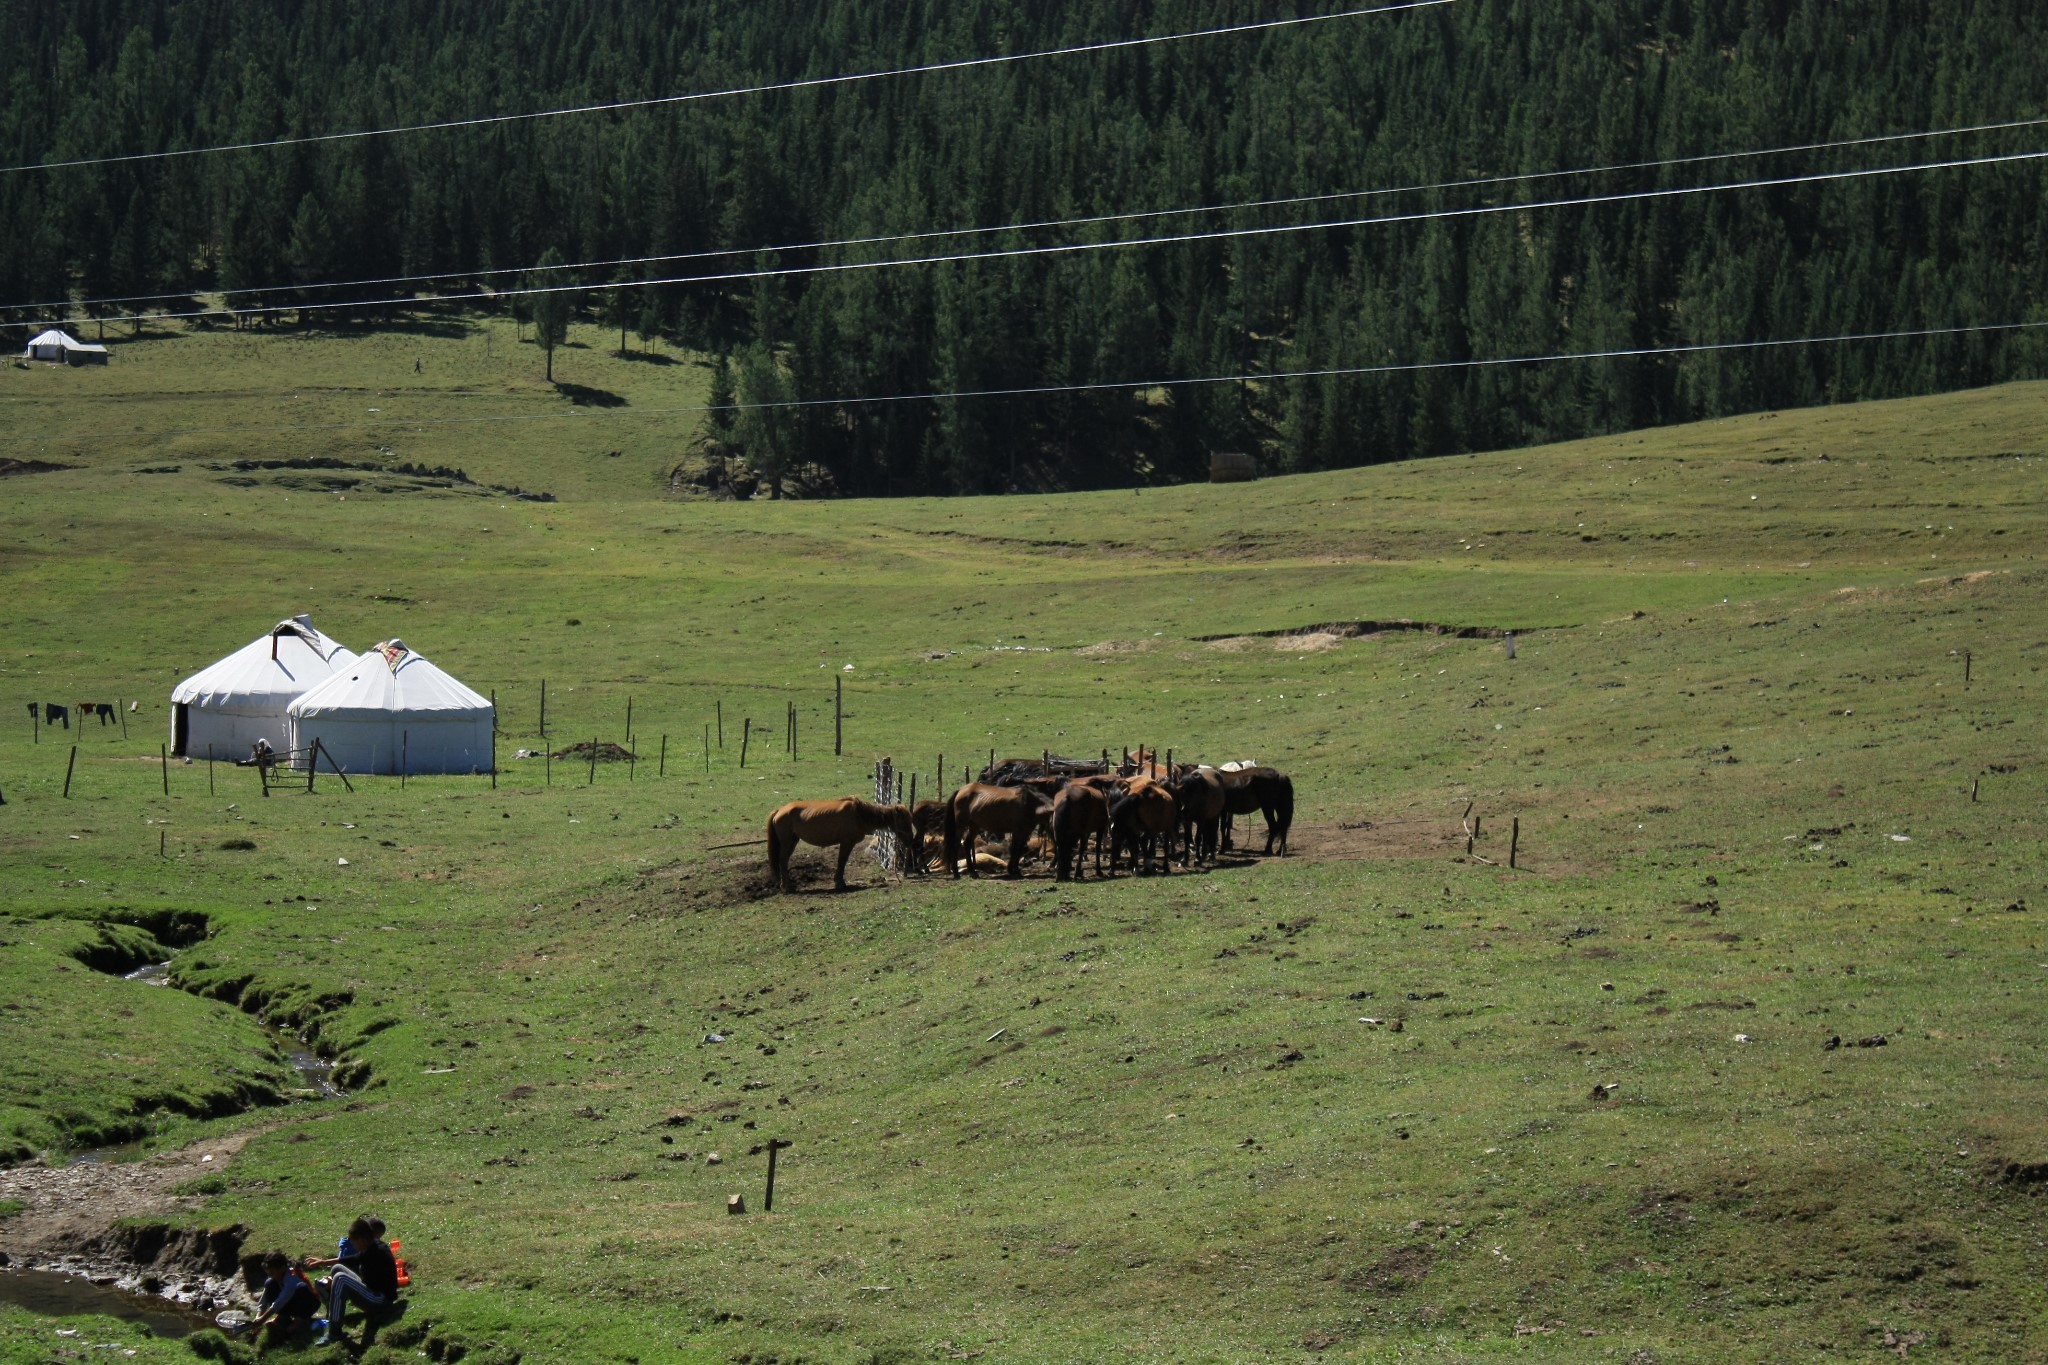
[{"x": 1770, "y": 753}]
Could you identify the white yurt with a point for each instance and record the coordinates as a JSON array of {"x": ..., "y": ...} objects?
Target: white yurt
[
  {"x": 61, "y": 348},
  {"x": 395, "y": 712},
  {"x": 226, "y": 707}
]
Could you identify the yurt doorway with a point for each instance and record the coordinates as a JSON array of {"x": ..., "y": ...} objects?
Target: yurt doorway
[{"x": 181, "y": 729}]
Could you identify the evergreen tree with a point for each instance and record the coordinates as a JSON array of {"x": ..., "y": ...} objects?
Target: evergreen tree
[{"x": 551, "y": 307}]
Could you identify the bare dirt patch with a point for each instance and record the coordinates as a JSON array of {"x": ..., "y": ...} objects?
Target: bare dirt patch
[
  {"x": 69, "y": 1209},
  {"x": 1109, "y": 647}
]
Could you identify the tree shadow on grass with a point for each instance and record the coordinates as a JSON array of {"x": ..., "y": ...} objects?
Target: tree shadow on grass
[
  {"x": 584, "y": 396},
  {"x": 648, "y": 358}
]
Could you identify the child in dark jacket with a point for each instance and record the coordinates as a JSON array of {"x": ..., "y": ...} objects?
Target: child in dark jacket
[
  {"x": 364, "y": 1273},
  {"x": 286, "y": 1306}
]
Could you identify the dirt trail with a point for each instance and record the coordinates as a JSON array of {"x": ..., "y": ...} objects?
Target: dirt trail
[{"x": 70, "y": 1208}]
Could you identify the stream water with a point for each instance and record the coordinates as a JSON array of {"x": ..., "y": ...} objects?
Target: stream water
[
  {"x": 316, "y": 1073},
  {"x": 67, "y": 1296}
]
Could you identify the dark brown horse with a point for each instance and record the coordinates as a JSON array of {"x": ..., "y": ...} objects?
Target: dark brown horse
[
  {"x": 1142, "y": 820},
  {"x": 978, "y": 808},
  {"x": 1266, "y": 790},
  {"x": 1198, "y": 796},
  {"x": 1080, "y": 810},
  {"x": 844, "y": 822}
]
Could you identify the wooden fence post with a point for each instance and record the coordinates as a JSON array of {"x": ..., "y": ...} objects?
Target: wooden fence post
[
  {"x": 746, "y": 735},
  {"x": 163, "y": 753},
  {"x": 68, "y": 767},
  {"x": 662, "y": 771},
  {"x": 593, "y": 762},
  {"x": 838, "y": 715},
  {"x": 1514, "y": 839},
  {"x": 721, "y": 722},
  {"x": 209, "y": 770},
  {"x": 543, "y": 711}
]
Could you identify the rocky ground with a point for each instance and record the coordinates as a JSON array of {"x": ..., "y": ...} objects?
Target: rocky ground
[{"x": 72, "y": 1220}]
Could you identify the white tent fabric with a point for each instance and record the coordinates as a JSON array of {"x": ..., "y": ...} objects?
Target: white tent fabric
[
  {"x": 395, "y": 711},
  {"x": 231, "y": 704},
  {"x": 59, "y": 345}
]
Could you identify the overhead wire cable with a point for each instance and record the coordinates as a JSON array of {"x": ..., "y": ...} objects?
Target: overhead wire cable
[
  {"x": 1075, "y": 248},
  {"x": 1103, "y": 386},
  {"x": 730, "y": 92},
  {"x": 1091, "y": 220}
]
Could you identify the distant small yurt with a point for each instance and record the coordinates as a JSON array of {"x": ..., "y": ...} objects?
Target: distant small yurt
[
  {"x": 61, "y": 348},
  {"x": 226, "y": 707},
  {"x": 395, "y": 711}
]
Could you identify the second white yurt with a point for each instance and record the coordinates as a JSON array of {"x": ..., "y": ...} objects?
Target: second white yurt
[
  {"x": 394, "y": 712},
  {"x": 225, "y": 708}
]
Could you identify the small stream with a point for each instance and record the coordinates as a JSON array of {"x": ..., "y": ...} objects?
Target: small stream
[
  {"x": 316, "y": 1073},
  {"x": 57, "y": 1295}
]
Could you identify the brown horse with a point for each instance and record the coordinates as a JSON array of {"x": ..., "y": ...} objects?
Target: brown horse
[
  {"x": 1077, "y": 812},
  {"x": 1266, "y": 790},
  {"x": 1140, "y": 820},
  {"x": 978, "y": 808},
  {"x": 844, "y": 822},
  {"x": 1198, "y": 796}
]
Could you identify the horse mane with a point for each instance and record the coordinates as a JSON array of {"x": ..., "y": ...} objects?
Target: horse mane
[{"x": 868, "y": 810}]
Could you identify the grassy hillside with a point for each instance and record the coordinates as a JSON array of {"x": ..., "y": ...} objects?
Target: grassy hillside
[{"x": 1736, "y": 736}]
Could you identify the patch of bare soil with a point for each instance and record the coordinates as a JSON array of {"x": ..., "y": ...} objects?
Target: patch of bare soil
[
  {"x": 70, "y": 1212},
  {"x": 1108, "y": 647},
  {"x": 1362, "y": 839},
  {"x": 1315, "y": 642},
  {"x": 607, "y": 752}
]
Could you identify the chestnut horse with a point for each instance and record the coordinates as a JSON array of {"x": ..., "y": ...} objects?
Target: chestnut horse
[
  {"x": 1078, "y": 811},
  {"x": 979, "y": 808},
  {"x": 844, "y": 822},
  {"x": 1139, "y": 820}
]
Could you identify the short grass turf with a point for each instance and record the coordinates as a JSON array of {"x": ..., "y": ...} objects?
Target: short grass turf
[{"x": 1138, "y": 1120}]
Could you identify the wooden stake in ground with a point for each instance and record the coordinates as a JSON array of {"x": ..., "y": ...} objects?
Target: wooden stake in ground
[
  {"x": 662, "y": 771},
  {"x": 1966, "y": 668},
  {"x": 160, "y": 843},
  {"x": 163, "y": 754},
  {"x": 707, "y": 750},
  {"x": 593, "y": 762},
  {"x": 543, "y": 710},
  {"x": 629, "y": 722},
  {"x": 320, "y": 750},
  {"x": 68, "y": 767},
  {"x": 124, "y": 721},
  {"x": 494, "y": 741},
  {"x": 721, "y": 722},
  {"x": 768, "y": 1197},
  {"x": 838, "y": 716},
  {"x": 209, "y": 770},
  {"x": 1514, "y": 839},
  {"x": 746, "y": 735}
]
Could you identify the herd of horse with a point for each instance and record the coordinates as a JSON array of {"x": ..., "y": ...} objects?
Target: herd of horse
[{"x": 1141, "y": 811}]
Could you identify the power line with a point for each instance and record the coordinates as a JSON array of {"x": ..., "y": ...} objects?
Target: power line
[
  {"x": 1073, "y": 248},
  {"x": 1106, "y": 386},
  {"x": 766, "y": 88},
  {"x": 1092, "y": 220}
]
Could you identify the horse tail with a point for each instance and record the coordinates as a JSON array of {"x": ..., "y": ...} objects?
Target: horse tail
[
  {"x": 1283, "y": 804},
  {"x": 952, "y": 837},
  {"x": 774, "y": 863}
]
